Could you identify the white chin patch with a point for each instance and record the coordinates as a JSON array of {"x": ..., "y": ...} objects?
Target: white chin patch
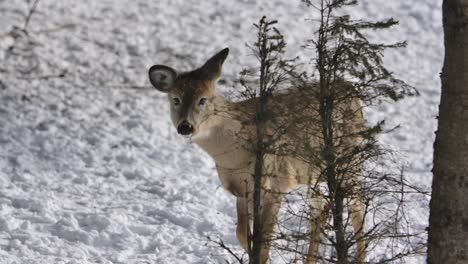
[{"x": 202, "y": 135}]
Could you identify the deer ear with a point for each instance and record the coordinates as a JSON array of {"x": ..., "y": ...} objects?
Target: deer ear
[
  {"x": 162, "y": 77},
  {"x": 212, "y": 67}
]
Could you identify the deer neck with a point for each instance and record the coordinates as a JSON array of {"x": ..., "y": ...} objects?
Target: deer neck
[{"x": 219, "y": 132}]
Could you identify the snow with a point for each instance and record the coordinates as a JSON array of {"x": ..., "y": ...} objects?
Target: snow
[{"x": 91, "y": 169}]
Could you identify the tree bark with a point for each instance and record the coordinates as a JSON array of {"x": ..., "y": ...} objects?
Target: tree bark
[{"x": 448, "y": 222}]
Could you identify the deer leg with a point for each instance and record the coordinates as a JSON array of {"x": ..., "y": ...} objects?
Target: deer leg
[
  {"x": 358, "y": 220},
  {"x": 318, "y": 218},
  {"x": 270, "y": 209},
  {"x": 243, "y": 219}
]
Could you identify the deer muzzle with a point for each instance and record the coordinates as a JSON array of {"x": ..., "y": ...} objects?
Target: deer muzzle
[{"x": 185, "y": 128}]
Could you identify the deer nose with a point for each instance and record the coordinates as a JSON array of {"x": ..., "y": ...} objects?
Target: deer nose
[{"x": 185, "y": 128}]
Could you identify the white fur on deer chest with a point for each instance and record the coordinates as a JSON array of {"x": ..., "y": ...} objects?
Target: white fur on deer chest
[{"x": 233, "y": 162}]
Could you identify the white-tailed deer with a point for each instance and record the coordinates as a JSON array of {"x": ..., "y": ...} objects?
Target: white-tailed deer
[{"x": 226, "y": 131}]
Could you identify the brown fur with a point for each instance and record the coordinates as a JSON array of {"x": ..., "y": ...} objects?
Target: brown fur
[{"x": 226, "y": 131}]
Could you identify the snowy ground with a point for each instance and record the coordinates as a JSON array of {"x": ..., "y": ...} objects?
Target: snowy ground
[{"x": 91, "y": 170}]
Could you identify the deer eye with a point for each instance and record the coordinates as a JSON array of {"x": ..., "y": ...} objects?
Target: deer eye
[
  {"x": 202, "y": 101},
  {"x": 176, "y": 101}
]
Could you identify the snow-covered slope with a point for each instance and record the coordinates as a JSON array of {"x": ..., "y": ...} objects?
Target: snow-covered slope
[{"x": 91, "y": 170}]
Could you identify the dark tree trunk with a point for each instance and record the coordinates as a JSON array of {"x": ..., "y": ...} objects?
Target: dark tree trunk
[{"x": 448, "y": 223}]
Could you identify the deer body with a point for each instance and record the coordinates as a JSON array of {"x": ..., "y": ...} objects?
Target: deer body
[
  {"x": 226, "y": 131},
  {"x": 228, "y": 143}
]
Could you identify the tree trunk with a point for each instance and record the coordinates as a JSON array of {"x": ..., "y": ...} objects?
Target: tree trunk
[{"x": 448, "y": 223}]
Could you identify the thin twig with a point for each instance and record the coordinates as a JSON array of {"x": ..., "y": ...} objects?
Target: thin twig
[
  {"x": 221, "y": 244},
  {"x": 31, "y": 12}
]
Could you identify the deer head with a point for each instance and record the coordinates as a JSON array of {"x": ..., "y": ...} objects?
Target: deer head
[{"x": 191, "y": 94}]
